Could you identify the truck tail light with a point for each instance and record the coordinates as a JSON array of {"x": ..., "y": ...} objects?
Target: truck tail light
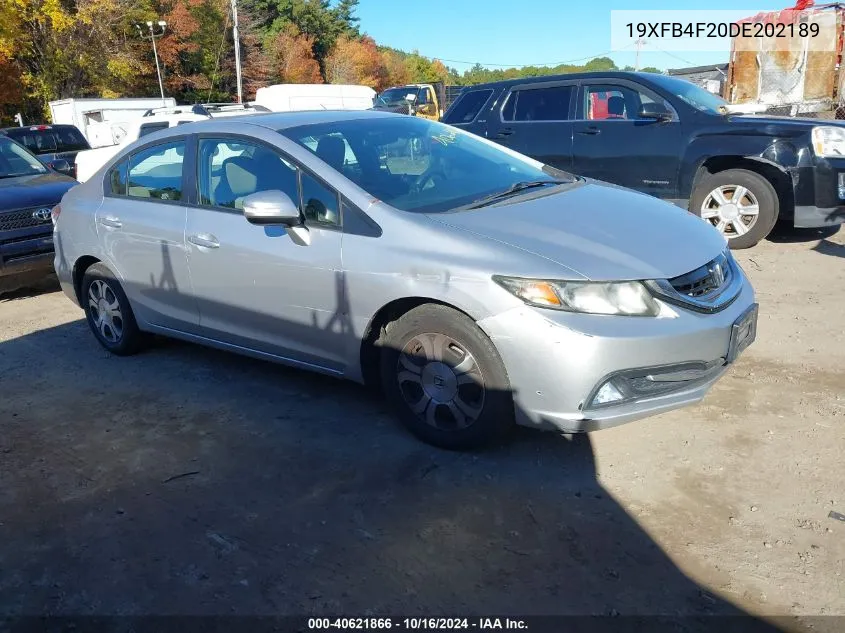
[{"x": 55, "y": 213}]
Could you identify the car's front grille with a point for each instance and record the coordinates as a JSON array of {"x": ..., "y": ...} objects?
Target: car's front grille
[
  {"x": 705, "y": 280},
  {"x": 23, "y": 218}
]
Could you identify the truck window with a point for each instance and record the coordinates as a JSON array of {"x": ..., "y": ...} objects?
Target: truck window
[
  {"x": 467, "y": 107},
  {"x": 539, "y": 104},
  {"x": 149, "y": 128},
  {"x": 69, "y": 139},
  {"x": 613, "y": 102}
]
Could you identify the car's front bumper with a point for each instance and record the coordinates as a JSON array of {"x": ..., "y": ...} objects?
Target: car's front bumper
[
  {"x": 819, "y": 199},
  {"x": 556, "y": 361}
]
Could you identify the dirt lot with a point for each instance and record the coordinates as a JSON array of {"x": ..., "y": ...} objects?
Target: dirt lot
[{"x": 188, "y": 481}]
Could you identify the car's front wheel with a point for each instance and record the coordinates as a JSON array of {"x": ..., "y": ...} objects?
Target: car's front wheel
[
  {"x": 445, "y": 378},
  {"x": 741, "y": 204},
  {"x": 108, "y": 312}
]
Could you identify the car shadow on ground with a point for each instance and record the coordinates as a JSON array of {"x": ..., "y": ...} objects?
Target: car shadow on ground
[
  {"x": 785, "y": 234},
  {"x": 49, "y": 283},
  {"x": 190, "y": 481}
]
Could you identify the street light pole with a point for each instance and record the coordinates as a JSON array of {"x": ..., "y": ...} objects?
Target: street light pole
[
  {"x": 153, "y": 36},
  {"x": 236, "y": 36}
]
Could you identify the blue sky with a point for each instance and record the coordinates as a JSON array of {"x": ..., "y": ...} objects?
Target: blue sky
[{"x": 516, "y": 33}]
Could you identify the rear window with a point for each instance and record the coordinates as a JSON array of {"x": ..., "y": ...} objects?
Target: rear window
[
  {"x": 50, "y": 139},
  {"x": 467, "y": 107},
  {"x": 539, "y": 104}
]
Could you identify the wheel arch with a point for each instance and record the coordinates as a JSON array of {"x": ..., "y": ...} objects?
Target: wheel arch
[
  {"x": 776, "y": 176},
  {"x": 370, "y": 348},
  {"x": 79, "y": 267}
]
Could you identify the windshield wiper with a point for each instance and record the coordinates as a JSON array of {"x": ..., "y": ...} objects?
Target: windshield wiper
[{"x": 514, "y": 188}]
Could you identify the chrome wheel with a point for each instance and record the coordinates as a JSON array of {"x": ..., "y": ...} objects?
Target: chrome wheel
[
  {"x": 440, "y": 381},
  {"x": 104, "y": 308},
  {"x": 732, "y": 209}
]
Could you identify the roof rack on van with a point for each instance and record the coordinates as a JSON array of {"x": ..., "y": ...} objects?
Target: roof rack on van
[{"x": 206, "y": 109}]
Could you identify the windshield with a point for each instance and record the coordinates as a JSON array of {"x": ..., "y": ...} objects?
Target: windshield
[
  {"x": 419, "y": 165},
  {"x": 48, "y": 140},
  {"x": 16, "y": 161},
  {"x": 691, "y": 94},
  {"x": 395, "y": 96}
]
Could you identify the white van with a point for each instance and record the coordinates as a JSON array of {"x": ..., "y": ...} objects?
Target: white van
[{"x": 293, "y": 97}]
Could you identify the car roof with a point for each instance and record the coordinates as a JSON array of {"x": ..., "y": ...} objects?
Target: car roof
[
  {"x": 39, "y": 127},
  {"x": 608, "y": 74},
  {"x": 285, "y": 120}
]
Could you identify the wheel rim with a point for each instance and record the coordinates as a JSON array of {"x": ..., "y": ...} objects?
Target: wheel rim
[
  {"x": 440, "y": 381},
  {"x": 104, "y": 308},
  {"x": 732, "y": 209}
]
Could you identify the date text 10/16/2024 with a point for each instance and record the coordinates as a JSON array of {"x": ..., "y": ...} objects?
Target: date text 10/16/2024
[{"x": 417, "y": 624}]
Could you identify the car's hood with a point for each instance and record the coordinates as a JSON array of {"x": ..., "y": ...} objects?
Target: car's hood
[
  {"x": 33, "y": 190},
  {"x": 599, "y": 231}
]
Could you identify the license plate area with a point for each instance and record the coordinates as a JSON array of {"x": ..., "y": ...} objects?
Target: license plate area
[{"x": 743, "y": 333}]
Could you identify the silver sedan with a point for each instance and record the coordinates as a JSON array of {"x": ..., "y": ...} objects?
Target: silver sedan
[{"x": 478, "y": 287}]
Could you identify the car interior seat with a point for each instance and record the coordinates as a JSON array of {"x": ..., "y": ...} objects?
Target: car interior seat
[
  {"x": 332, "y": 150},
  {"x": 616, "y": 107}
]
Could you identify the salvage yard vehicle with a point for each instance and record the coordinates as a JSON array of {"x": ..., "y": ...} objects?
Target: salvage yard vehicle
[
  {"x": 28, "y": 192},
  {"x": 671, "y": 139},
  {"x": 477, "y": 286},
  {"x": 423, "y": 100},
  {"x": 51, "y": 144}
]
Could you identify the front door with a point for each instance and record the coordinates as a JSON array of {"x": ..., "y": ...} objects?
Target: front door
[
  {"x": 535, "y": 120},
  {"x": 259, "y": 287},
  {"x": 612, "y": 143},
  {"x": 141, "y": 224}
]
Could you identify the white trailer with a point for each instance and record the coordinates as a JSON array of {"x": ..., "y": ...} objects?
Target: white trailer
[
  {"x": 293, "y": 97},
  {"x": 103, "y": 121}
]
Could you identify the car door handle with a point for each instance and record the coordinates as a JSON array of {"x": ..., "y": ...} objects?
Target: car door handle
[
  {"x": 206, "y": 240},
  {"x": 592, "y": 129},
  {"x": 504, "y": 133},
  {"x": 111, "y": 222}
]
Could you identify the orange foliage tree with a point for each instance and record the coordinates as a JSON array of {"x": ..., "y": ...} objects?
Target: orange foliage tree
[
  {"x": 356, "y": 61},
  {"x": 292, "y": 58}
]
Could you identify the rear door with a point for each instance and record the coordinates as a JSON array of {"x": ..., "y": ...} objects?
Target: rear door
[
  {"x": 612, "y": 143},
  {"x": 536, "y": 120},
  {"x": 141, "y": 225}
]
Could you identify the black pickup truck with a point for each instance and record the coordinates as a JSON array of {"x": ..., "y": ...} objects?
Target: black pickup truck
[
  {"x": 669, "y": 138},
  {"x": 28, "y": 192}
]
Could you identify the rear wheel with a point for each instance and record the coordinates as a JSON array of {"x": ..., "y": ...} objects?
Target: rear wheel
[
  {"x": 741, "y": 204},
  {"x": 445, "y": 379},
  {"x": 108, "y": 312}
]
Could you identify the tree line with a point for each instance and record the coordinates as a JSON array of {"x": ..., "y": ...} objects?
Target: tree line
[{"x": 55, "y": 49}]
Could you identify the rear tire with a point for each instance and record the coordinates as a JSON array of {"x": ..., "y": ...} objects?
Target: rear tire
[
  {"x": 722, "y": 198},
  {"x": 108, "y": 312},
  {"x": 445, "y": 378}
]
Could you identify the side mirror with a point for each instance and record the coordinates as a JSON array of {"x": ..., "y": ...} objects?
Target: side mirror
[
  {"x": 62, "y": 166},
  {"x": 268, "y": 208},
  {"x": 654, "y": 111}
]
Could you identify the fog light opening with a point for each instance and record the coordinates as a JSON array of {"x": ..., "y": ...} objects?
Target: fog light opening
[
  {"x": 608, "y": 393},
  {"x": 841, "y": 185}
]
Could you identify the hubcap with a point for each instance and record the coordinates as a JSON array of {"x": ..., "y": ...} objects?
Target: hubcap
[
  {"x": 732, "y": 209},
  {"x": 440, "y": 381},
  {"x": 104, "y": 308}
]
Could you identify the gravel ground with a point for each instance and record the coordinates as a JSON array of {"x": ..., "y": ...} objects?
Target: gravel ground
[{"x": 190, "y": 481}]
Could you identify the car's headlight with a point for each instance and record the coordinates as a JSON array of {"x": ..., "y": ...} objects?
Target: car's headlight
[
  {"x": 828, "y": 140},
  {"x": 629, "y": 298}
]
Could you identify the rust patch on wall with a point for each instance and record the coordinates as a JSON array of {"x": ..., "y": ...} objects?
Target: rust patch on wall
[{"x": 745, "y": 77}]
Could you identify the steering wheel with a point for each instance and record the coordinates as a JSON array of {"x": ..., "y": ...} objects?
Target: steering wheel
[{"x": 428, "y": 176}]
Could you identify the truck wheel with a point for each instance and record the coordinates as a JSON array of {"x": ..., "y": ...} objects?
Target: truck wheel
[
  {"x": 108, "y": 312},
  {"x": 445, "y": 378},
  {"x": 741, "y": 204}
]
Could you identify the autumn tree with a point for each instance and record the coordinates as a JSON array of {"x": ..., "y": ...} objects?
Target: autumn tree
[
  {"x": 356, "y": 61},
  {"x": 292, "y": 58}
]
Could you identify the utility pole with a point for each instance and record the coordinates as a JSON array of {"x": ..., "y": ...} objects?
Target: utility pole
[
  {"x": 237, "y": 37},
  {"x": 640, "y": 43},
  {"x": 153, "y": 36}
]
